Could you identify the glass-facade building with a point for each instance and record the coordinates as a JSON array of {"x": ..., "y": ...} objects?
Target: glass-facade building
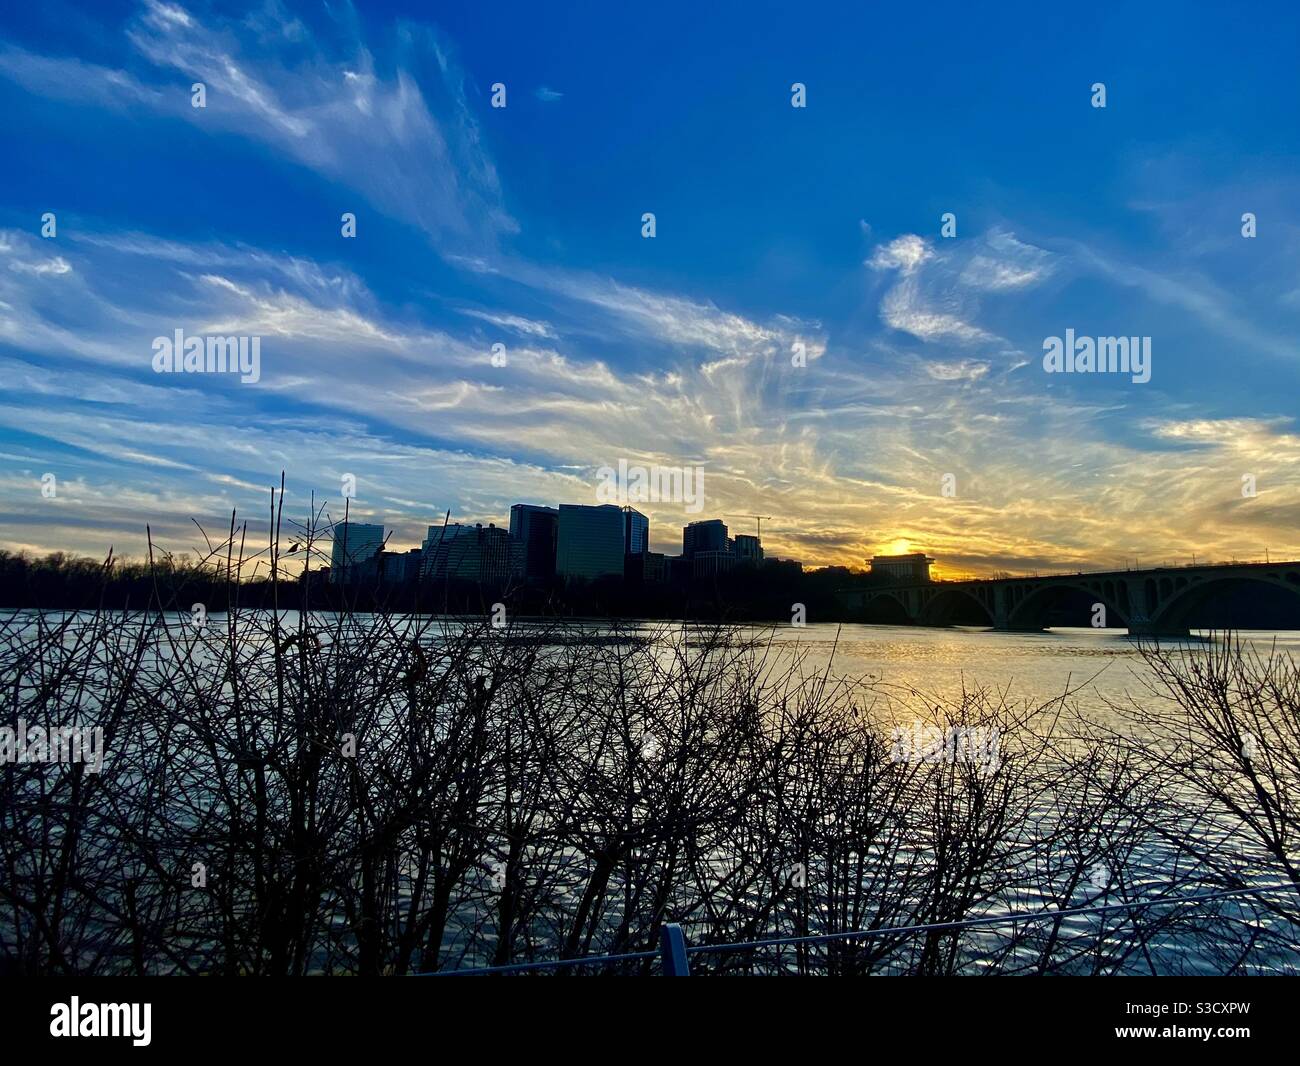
[
  {"x": 484, "y": 555},
  {"x": 355, "y": 545},
  {"x": 590, "y": 541},
  {"x": 535, "y": 530},
  {"x": 437, "y": 547},
  {"x": 636, "y": 532},
  {"x": 707, "y": 536},
  {"x": 748, "y": 549}
]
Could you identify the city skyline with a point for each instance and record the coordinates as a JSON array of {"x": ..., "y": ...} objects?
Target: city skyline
[{"x": 805, "y": 325}]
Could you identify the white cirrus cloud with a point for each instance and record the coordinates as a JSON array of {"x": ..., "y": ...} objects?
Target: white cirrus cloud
[
  {"x": 904, "y": 253},
  {"x": 318, "y": 97}
]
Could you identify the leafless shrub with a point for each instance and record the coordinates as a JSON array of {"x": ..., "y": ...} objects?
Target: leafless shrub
[{"x": 289, "y": 792}]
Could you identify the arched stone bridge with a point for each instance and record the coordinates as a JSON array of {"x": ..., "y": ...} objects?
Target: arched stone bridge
[{"x": 1156, "y": 602}]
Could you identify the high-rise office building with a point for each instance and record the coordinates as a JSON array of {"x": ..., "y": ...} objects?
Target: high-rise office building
[
  {"x": 392, "y": 567},
  {"x": 470, "y": 553},
  {"x": 748, "y": 549},
  {"x": 636, "y": 531},
  {"x": 711, "y": 563},
  {"x": 355, "y": 545},
  {"x": 412, "y": 564},
  {"x": 707, "y": 536},
  {"x": 590, "y": 541},
  {"x": 646, "y": 568},
  {"x": 436, "y": 545},
  {"x": 484, "y": 555},
  {"x": 535, "y": 530}
]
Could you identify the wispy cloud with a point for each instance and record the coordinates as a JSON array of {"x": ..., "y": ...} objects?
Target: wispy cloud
[
  {"x": 384, "y": 373},
  {"x": 320, "y": 97},
  {"x": 395, "y": 402}
]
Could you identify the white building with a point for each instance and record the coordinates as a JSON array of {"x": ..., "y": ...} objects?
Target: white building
[{"x": 911, "y": 568}]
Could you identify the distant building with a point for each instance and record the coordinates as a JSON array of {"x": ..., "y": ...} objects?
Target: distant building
[
  {"x": 393, "y": 567},
  {"x": 748, "y": 549},
  {"x": 355, "y": 545},
  {"x": 382, "y": 566},
  {"x": 646, "y": 568},
  {"x": 636, "y": 532},
  {"x": 707, "y": 536},
  {"x": 413, "y": 562},
  {"x": 487, "y": 556},
  {"x": 436, "y": 546},
  {"x": 679, "y": 569},
  {"x": 711, "y": 563},
  {"x": 535, "y": 529},
  {"x": 914, "y": 567},
  {"x": 590, "y": 541}
]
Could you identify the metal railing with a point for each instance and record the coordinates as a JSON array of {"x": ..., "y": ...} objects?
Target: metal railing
[{"x": 674, "y": 952}]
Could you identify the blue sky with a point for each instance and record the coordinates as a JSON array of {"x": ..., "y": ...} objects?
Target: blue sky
[{"x": 775, "y": 225}]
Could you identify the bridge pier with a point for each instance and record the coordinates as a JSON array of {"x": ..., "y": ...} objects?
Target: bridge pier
[
  {"x": 1144, "y": 628},
  {"x": 1142, "y": 605},
  {"x": 1002, "y": 614}
]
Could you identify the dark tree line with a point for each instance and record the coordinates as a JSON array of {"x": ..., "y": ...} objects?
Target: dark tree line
[{"x": 68, "y": 582}]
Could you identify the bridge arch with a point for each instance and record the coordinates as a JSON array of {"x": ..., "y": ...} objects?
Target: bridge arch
[
  {"x": 1033, "y": 611},
  {"x": 955, "y": 606},
  {"x": 886, "y": 608},
  {"x": 1178, "y": 611}
]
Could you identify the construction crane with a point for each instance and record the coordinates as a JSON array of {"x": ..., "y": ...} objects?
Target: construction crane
[{"x": 759, "y": 518}]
